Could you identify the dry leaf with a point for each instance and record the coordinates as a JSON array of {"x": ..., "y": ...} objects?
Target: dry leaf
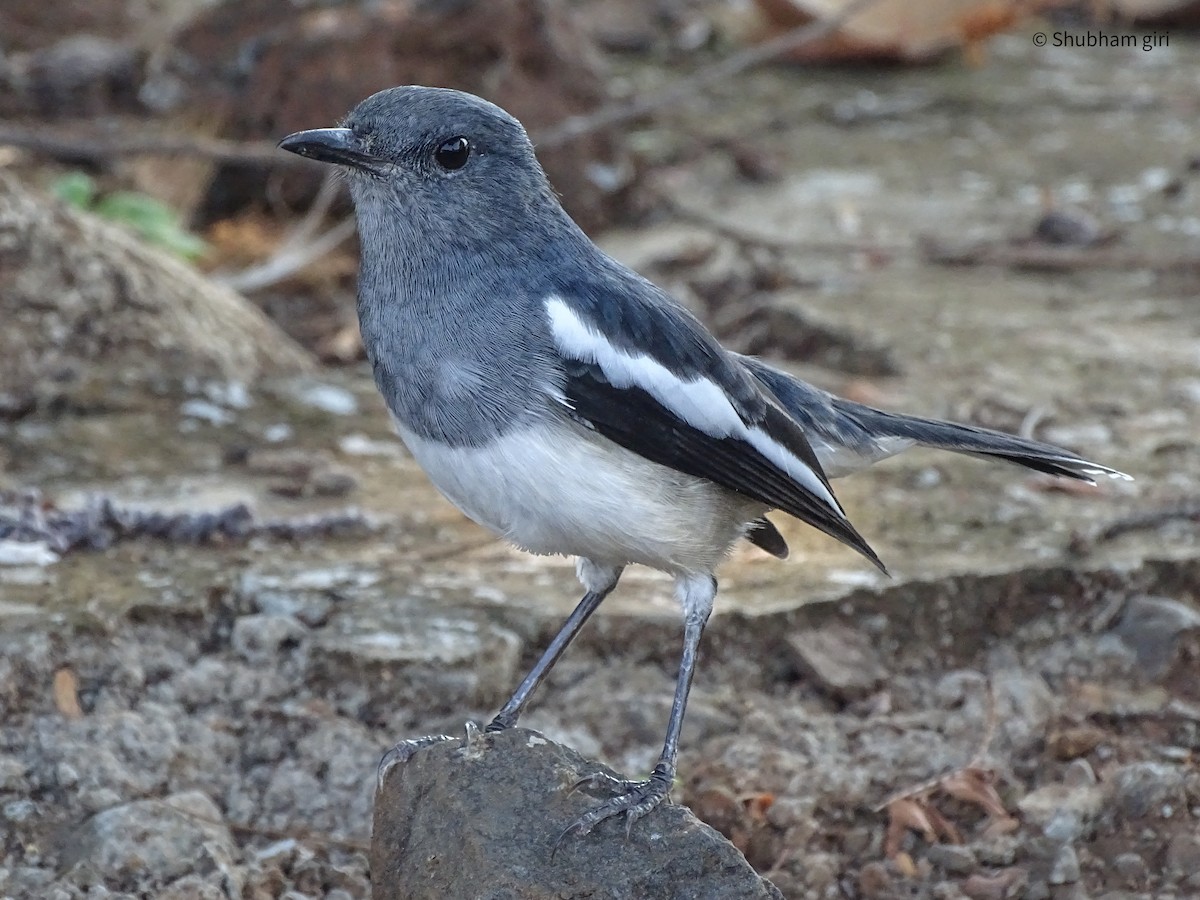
[
  {"x": 905, "y": 864},
  {"x": 999, "y": 827},
  {"x": 906, "y": 814},
  {"x": 945, "y": 830},
  {"x": 757, "y": 806},
  {"x": 974, "y": 785},
  {"x": 897, "y": 30},
  {"x": 1074, "y": 741},
  {"x": 66, "y": 693}
]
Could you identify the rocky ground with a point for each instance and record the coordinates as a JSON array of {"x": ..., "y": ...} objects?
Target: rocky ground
[{"x": 193, "y": 704}]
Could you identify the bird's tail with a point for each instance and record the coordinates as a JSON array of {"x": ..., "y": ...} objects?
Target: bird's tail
[
  {"x": 976, "y": 441},
  {"x": 847, "y": 436}
]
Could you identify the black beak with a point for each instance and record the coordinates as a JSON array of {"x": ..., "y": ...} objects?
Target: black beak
[{"x": 330, "y": 145}]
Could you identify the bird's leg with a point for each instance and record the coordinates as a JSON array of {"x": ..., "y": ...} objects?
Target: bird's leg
[
  {"x": 599, "y": 580},
  {"x": 636, "y": 798}
]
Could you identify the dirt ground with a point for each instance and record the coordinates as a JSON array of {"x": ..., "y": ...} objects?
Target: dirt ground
[{"x": 1015, "y": 713}]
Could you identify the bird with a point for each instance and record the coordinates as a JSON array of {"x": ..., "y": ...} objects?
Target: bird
[{"x": 571, "y": 406}]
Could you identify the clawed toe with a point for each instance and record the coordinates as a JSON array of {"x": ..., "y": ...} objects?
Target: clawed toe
[
  {"x": 604, "y": 780},
  {"x": 405, "y": 750},
  {"x": 633, "y": 801}
]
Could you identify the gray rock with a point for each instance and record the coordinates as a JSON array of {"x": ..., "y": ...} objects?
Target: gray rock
[
  {"x": 19, "y": 811},
  {"x": 422, "y": 661},
  {"x": 1025, "y": 706},
  {"x": 310, "y": 607},
  {"x": 839, "y": 659},
  {"x": 149, "y": 316},
  {"x": 1150, "y": 626},
  {"x": 1183, "y": 854},
  {"x": 955, "y": 859},
  {"x": 1063, "y": 812},
  {"x": 1142, "y": 789},
  {"x": 1079, "y": 773},
  {"x": 997, "y": 850},
  {"x": 192, "y": 887},
  {"x": 323, "y": 783},
  {"x": 12, "y": 774},
  {"x": 1065, "y": 868},
  {"x": 483, "y": 821},
  {"x": 1132, "y": 869},
  {"x": 151, "y": 842},
  {"x": 1006, "y": 884},
  {"x": 326, "y": 397},
  {"x": 260, "y": 638},
  {"x": 107, "y": 758}
]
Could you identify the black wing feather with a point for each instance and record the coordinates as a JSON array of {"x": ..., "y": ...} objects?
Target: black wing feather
[
  {"x": 764, "y": 534},
  {"x": 634, "y": 419}
]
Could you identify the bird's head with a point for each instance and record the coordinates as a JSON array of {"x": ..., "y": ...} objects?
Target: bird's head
[{"x": 432, "y": 156}]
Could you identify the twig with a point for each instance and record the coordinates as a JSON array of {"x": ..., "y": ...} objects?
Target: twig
[
  {"x": 989, "y": 730},
  {"x": 288, "y": 260},
  {"x": 1032, "y": 420},
  {"x": 1040, "y": 258},
  {"x": 299, "y": 248},
  {"x": 1187, "y": 511},
  {"x": 277, "y": 834},
  {"x": 307, "y": 227},
  {"x": 686, "y": 89},
  {"x": 98, "y": 147}
]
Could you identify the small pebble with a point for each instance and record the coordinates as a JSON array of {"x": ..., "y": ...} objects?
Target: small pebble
[
  {"x": 1142, "y": 789},
  {"x": 259, "y": 638},
  {"x": 205, "y": 411},
  {"x": 1132, "y": 868},
  {"x": 1183, "y": 854},
  {"x": 326, "y": 397},
  {"x": 953, "y": 858},
  {"x": 1065, "y": 869}
]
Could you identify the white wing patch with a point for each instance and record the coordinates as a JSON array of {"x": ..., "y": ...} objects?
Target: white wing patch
[{"x": 699, "y": 402}]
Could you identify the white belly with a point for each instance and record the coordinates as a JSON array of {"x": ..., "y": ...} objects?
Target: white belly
[{"x": 558, "y": 489}]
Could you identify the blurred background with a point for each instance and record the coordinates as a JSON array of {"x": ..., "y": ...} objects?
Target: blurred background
[{"x": 224, "y": 587}]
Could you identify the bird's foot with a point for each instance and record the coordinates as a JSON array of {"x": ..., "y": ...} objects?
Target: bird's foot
[
  {"x": 405, "y": 750},
  {"x": 633, "y": 799},
  {"x": 500, "y": 723}
]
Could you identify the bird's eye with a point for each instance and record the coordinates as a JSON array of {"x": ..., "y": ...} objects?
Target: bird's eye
[{"x": 453, "y": 154}]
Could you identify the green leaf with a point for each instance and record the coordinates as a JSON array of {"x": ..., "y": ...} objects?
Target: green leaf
[
  {"x": 77, "y": 189},
  {"x": 153, "y": 221}
]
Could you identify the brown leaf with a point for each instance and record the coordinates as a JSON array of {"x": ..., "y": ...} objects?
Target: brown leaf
[
  {"x": 1074, "y": 741},
  {"x": 905, "y": 864},
  {"x": 896, "y": 30},
  {"x": 906, "y": 814},
  {"x": 1000, "y": 827},
  {"x": 945, "y": 830},
  {"x": 66, "y": 693},
  {"x": 975, "y": 785},
  {"x": 1001, "y": 886},
  {"x": 757, "y": 806}
]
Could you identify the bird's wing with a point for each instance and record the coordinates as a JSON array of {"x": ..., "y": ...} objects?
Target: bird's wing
[{"x": 644, "y": 373}]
